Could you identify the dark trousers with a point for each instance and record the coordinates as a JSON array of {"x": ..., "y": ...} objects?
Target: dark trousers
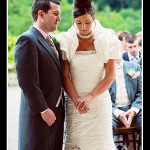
[{"x": 55, "y": 139}]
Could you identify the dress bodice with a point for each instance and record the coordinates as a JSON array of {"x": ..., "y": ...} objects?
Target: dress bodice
[{"x": 86, "y": 70}]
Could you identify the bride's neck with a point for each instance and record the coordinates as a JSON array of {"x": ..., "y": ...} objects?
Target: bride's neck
[{"x": 85, "y": 36}]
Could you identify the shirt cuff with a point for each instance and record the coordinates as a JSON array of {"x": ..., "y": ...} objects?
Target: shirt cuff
[
  {"x": 135, "y": 109},
  {"x": 117, "y": 112},
  {"x": 44, "y": 111}
]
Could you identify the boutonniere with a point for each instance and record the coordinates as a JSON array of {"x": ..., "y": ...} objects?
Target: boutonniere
[
  {"x": 55, "y": 40},
  {"x": 132, "y": 74}
]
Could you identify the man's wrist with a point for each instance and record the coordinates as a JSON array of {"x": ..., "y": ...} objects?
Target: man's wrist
[{"x": 44, "y": 111}]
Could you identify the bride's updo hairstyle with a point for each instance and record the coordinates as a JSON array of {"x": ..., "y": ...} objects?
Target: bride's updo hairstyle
[{"x": 81, "y": 7}]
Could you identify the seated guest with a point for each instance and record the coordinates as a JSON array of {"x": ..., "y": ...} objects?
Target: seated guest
[
  {"x": 131, "y": 45},
  {"x": 126, "y": 95}
]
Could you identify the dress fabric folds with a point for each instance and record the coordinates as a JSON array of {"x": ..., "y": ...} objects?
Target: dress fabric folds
[{"x": 93, "y": 130}]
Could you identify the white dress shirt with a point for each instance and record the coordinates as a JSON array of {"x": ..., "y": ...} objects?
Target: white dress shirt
[
  {"x": 133, "y": 59},
  {"x": 121, "y": 92}
]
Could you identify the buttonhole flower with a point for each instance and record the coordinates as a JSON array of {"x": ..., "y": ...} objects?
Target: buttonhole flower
[
  {"x": 55, "y": 40},
  {"x": 132, "y": 74}
]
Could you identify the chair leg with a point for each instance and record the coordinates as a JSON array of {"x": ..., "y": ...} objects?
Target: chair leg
[
  {"x": 126, "y": 139},
  {"x": 134, "y": 140},
  {"x": 139, "y": 139}
]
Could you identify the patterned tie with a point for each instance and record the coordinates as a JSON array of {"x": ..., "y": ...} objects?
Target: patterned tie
[{"x": 48, "y": 38}]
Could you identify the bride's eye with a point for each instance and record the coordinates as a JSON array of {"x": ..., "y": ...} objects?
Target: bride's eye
[{"x": 88, "y": 22}]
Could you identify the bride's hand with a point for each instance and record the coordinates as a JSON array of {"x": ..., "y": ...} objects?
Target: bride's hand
[{"x": 81, "y": 105}]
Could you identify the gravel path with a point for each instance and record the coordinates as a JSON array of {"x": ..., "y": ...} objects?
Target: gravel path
[{"x": 13, "y": 101}]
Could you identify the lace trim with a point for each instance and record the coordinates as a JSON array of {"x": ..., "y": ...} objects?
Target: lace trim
[{"x": 85, "y": 52}]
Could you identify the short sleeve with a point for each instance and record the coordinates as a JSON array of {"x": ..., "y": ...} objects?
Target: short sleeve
[
  {"x": 113, "y": 47},
  {"x": 107, "y": 45},
  {"x": 68, "y": 43}
]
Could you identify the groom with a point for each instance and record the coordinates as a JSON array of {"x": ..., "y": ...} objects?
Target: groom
[{"x": 39, "y": 74}]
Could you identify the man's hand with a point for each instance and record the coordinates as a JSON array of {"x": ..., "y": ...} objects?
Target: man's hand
[
  {"x": 130, "y": 113},
  {"x": 122, "y": 117},
  {"x": 48, "y": 116}
]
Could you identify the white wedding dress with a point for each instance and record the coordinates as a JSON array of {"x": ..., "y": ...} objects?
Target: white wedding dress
[{"x": 93, "y": 130}]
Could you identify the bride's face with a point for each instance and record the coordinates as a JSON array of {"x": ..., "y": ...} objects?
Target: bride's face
[{"x": 84, "y": 24}]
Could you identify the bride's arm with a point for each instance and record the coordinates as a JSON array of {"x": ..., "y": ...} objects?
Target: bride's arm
[
  {"x": 70, "y": 90},
  {"x": 68, "y": 85}
]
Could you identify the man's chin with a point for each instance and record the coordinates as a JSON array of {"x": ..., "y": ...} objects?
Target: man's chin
[{"x": 53, "y": 29}]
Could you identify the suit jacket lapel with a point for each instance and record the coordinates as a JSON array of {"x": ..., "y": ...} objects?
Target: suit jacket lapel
[
  {"x": 50, "y": 51},
  {"x": 47, "y": 46},
  {"x": 60, "y": 54}
]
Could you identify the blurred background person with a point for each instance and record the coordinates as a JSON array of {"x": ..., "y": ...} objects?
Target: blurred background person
[
  {"x": 126, "y": 96},
  {"x": 121, "y": 37},
  {"x": 131, "y": 46}
]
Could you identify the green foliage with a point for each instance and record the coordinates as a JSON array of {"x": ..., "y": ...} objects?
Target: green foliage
[
  {"x": 133, "y": 19},
  {"x": 66, "y": 16},
  {"x": 124, "y": 19},
  {"x": 112, "y": 20},
  {"x": 101, "y": 4},
  {"x": 11, "y": 44},
  {"x": 117, "y": 5},
  {"x": 19, "y": 16}
]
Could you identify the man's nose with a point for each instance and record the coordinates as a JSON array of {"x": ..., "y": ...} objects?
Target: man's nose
[
  {"x": 134, "y": 49},
  {"x": 58, "y": 18}
]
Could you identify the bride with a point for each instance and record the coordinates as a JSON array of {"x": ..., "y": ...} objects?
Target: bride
[{"x": 89, "y": 52}]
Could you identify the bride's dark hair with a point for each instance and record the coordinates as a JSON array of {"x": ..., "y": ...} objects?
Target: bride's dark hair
[{"x": 81, "y": 7}]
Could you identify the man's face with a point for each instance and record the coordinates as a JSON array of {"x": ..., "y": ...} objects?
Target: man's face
[
  {"x": 132, "y": 48},
  {"x": 52, "y": 18}
]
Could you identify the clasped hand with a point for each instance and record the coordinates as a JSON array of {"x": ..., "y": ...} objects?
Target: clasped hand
[
  {"x": 81, "y": 103},
  {"x": 127, "y": 117}
]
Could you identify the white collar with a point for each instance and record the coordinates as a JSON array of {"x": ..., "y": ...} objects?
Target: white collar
[
  {"x": 41, "y": 31},
  {"x": 131, "y": 56}
]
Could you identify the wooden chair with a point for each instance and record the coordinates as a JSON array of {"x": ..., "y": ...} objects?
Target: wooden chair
[{"x": 126, "y": 132}]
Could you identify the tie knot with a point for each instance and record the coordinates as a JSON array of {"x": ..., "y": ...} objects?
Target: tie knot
[{"x": 50, "y": 41}]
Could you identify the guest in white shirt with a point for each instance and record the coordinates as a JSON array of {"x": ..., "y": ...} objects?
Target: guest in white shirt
[{"x": 126, "y": 95}]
